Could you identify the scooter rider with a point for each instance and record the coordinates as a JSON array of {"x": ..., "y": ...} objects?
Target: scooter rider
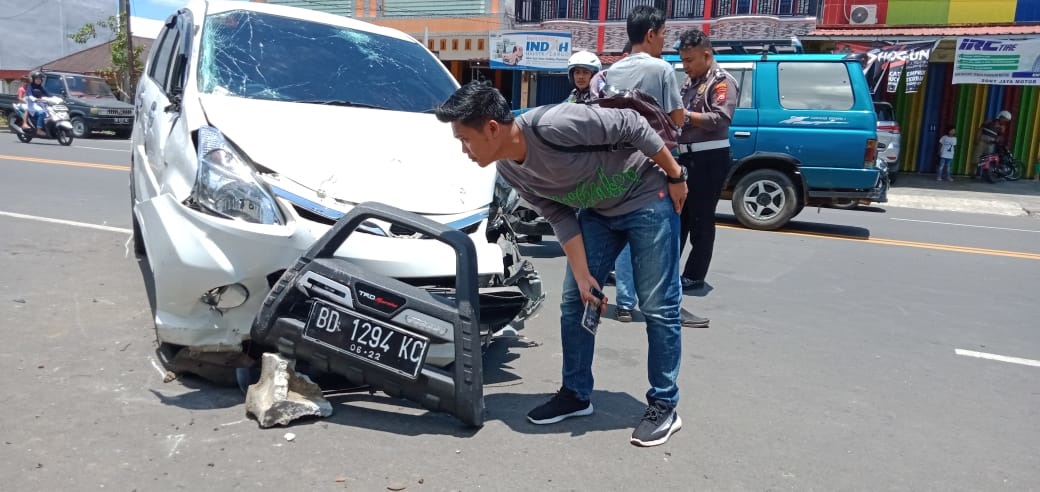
[
  {"x": 580, "y": 69},
  {"x": 34, "y": 108}
]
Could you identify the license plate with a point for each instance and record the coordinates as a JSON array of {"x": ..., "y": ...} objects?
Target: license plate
[
  {"x": 365, "y": 339},
  {"x": 122, "y": 121}
]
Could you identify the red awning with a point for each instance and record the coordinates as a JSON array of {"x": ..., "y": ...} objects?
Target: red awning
[{"x": 890, "y": 32}]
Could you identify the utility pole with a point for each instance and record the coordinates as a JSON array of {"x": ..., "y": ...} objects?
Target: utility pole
[{"x": 124, "y": 6}]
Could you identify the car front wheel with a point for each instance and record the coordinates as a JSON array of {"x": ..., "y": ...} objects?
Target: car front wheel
[
  {"x": 80, "y": 128},
  {"x": 764, "y": 200}
]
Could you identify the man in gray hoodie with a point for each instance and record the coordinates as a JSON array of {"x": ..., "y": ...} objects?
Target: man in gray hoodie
[{"x": 597, "y": 200}]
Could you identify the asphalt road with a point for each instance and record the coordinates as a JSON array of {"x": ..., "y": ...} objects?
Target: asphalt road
[{"x": 856, "y": 350}]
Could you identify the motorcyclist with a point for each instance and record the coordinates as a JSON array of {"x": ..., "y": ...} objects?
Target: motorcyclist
[
  {"x": 990, "y": 133},
  {"x": 580, "y": 68},
  {"x": 35, "y": 108}
]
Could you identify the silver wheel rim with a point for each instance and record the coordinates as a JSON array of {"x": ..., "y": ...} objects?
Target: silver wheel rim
[
  {"x": 79, "y": 128},
  {"x": 764, "y": 199}
]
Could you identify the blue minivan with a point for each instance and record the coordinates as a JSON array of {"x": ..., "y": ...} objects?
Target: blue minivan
[{"x": 804, "y": 133}]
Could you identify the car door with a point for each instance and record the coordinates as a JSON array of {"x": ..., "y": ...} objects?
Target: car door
[
  {"x": 743, "y": 130},
  {"x": 151, "y": 98}
]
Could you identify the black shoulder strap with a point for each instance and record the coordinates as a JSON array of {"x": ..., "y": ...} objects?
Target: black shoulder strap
[{"x": 564, "y": 148}]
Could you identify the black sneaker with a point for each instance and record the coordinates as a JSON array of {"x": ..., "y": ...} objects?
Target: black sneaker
[
  {"x": 624, "y": 315},
  {"x": 565, "y": 404},
  {"x": 691, "y": 284},
  {"x": 658, "y": 424}
]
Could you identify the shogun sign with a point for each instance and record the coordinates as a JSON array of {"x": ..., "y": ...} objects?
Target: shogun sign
[
  {"x": 997, "y": 62},
  {"x": 893, "y": 59},
  {"x": 530, "y": 50}
]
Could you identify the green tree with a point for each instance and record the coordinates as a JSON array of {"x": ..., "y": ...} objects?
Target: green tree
[{"x": 118, "y": 73}]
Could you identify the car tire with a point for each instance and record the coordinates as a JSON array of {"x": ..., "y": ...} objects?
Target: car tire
[
  {"x": 139, "y": 250},
  {"x": 80, "y": 128},
  {"x": 764, "y": 200},
  {"x": 845, "y": 204}
]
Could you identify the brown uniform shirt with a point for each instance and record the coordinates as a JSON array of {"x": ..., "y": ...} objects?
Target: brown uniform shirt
[{"x": 716, "y": 95}]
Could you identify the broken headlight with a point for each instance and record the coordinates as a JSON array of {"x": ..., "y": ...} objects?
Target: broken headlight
[
  {"x": 228, "y": 186},
  {"x": 505, "y": 198}
]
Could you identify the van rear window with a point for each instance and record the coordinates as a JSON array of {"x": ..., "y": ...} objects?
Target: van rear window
[{"x": 811, "y": 85}]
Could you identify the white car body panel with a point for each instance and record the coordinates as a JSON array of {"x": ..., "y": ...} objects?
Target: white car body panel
[
  {"x": 341, "y": 156},
  {"x": 407, "y": 160}
]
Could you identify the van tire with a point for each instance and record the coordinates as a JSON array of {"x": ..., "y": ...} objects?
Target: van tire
[
  {"x": 764, "y": 200},
  {"x": 80, "y": 128}
]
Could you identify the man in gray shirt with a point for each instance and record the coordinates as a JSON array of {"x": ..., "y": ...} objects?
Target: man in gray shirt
[
  {"x": 597, "y": 200},
  {"x": 642, "y": 69}
]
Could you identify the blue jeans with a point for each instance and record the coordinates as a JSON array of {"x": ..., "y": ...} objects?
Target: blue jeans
[
  {"x": 944, "y": 165},
  {"x": 653, "y": 235},
  {"x": 41, "y": 117},
  {"x": 625, "y": 281}
]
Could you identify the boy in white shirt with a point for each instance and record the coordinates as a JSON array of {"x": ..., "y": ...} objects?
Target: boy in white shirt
[{"x": 947, "y": 146}]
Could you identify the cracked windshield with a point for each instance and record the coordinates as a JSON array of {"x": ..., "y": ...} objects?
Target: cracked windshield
[{"x": 261, "y": 56}]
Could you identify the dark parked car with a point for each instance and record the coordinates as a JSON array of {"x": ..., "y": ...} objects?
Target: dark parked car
[{"x": 92, "y": 105}]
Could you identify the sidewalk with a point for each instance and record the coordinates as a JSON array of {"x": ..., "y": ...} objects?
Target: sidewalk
[{"x": 966, "y": 195}]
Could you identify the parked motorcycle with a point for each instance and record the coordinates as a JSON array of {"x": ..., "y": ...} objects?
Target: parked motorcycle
[
  {"x": 1000, "y": 165},
  {"x": 56, "y": 124}
]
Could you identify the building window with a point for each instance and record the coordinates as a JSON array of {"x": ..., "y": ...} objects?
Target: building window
[
  {"x": 767, "y": 7},
  {"x": 455, "y": 44},
  {"x": 469, "y": 44},
  {"x": 444, "y": 45},
  {"x": 429, "y": 44},
  {"x": 480, "y": 44}
]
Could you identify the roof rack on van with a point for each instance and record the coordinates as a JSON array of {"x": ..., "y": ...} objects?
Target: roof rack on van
[{"x": 755, "y": 46}]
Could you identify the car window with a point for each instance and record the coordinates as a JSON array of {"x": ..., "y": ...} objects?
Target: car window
[
  {"x": 53, "y": 85},
  {"x": 745, "y": 80},
  {"x": 163, "y": 53},
  {"x": 884, "y": 112},
  {"x": 815, "y": 85},
  {"x": 80, "y": 85},
  {"x": 263, "y": 56}
]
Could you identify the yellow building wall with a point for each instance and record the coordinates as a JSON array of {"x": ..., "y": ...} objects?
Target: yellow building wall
[{"x": 982, "y": 11}]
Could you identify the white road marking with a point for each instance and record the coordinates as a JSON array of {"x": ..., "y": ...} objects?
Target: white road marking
[
  {"x": 176, "y": 438},
  {"x": 102, "y": 148},
  {"x": 66, "y": 222},
  {"x": 966, "y": 225},
  {"x": 1001, "y": 358}
]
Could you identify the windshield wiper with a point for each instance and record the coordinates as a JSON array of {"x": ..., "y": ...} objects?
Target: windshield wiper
[{"x": 341, "y": 102}]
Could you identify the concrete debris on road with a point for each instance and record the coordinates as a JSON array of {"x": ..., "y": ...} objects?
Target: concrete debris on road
[{"x": 282, "y": 395}]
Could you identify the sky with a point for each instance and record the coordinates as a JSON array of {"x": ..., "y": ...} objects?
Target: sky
[{"x": 155, "y": 9}]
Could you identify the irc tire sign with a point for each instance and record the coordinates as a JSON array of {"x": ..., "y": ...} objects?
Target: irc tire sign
[{"x": 997, "y": 62}]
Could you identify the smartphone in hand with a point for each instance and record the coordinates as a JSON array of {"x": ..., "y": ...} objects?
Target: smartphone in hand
[{"x": 590, "y": 318}]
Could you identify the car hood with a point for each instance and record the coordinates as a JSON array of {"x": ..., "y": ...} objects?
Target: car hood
[
  {"x": 101, "y": 102},
  {"x": 407, "y": 160}
]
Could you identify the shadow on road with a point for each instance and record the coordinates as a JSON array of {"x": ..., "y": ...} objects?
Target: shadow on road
[{"x": 804, "y": 227}]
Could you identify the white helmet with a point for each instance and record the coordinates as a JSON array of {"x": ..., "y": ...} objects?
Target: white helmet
[
  {"x": 1005, "y": 114},
  {"x": 583, "y": 59}
]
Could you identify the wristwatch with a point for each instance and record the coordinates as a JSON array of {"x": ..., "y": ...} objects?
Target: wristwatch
[{"x": 683, "y": 174}]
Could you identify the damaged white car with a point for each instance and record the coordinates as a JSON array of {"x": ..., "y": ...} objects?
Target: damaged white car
[{"x": 257, "y": 127}]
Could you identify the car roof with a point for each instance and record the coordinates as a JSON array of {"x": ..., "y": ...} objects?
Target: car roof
[{"x": 218, "y": 6}]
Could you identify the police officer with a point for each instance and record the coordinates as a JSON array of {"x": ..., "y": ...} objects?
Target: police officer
[{"x": 709, "y": 96}]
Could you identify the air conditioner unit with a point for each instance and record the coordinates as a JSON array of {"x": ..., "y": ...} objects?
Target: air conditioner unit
[{"x": 863, "y": 14}]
